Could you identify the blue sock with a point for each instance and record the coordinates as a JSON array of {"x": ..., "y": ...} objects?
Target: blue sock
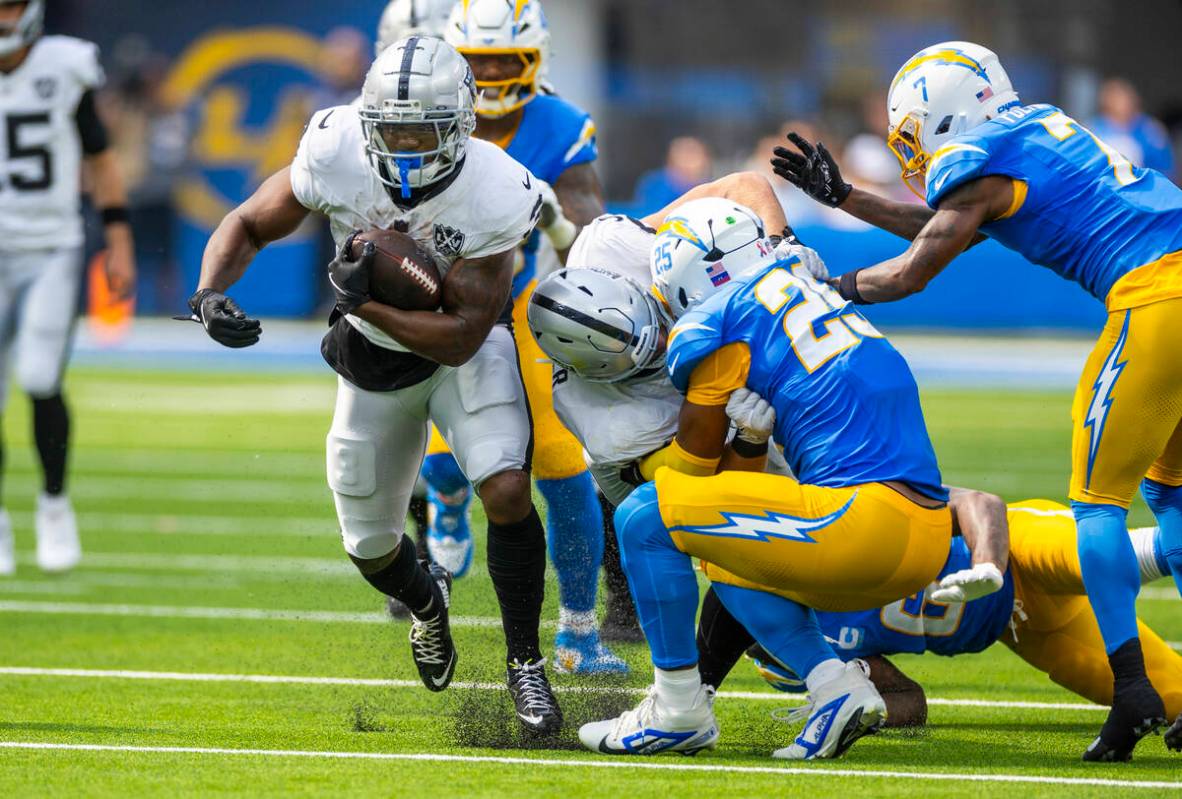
[
  {"x": 1110, "y": 571},
  {"x": 661, "y": 578},
  {"x": 574, "y": 531},
  {"x": 786, "y": 629},
  {"x": 1166, "y": 503},
  {"x": 449, "y": 493}
]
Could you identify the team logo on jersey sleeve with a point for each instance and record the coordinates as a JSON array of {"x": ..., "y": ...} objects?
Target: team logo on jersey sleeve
[{"x": 449, "y": 241}]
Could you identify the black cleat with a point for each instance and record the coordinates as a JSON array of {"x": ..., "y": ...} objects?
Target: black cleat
[
  {"x": 430, "y": 639},
  {"x": 1137, "y": 710},
  {"x": 537, "y": 708},
  {"x": 1174, "y": 735}
]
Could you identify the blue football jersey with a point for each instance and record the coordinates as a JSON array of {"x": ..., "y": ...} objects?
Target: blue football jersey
[
  {"x": 847, "y": 406},
  {"x": 553, "y": 136},
  {"x": 917, "y": 625},
  {"x": 1088, "y": 213}
]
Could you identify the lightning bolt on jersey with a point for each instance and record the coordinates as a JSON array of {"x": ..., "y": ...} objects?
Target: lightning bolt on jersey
[
  {"x": 553, "y": 136},
  {"x": 917, "y": 624},
  {"x": 40, "y": 146},
  {"x": 1080, "y": 208},
  {"x": 847, "y": 406}
]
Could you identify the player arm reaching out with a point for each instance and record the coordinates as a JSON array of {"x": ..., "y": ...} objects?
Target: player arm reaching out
[
  {"x": 271, "y": 213},
  {"x": 980, "y": 518}
]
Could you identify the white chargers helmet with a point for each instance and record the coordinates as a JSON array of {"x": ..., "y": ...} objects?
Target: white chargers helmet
[
  {"x": 417, "y": 112},
  {"x": 602, "y": 326},
  {"x": 25, "y": 30},
  {"x": 514, "y": 30},
  {"x": 942, "y": 91},
  {"x": 404, "y": 18},
  {"x": 703, "y": 246}
]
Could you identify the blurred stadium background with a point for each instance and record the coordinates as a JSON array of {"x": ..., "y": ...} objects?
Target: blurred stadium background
[{"x": 208, "y": 98}]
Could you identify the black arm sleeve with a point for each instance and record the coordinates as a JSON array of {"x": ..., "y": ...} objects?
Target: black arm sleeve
[{"x": 91, "y": 129}]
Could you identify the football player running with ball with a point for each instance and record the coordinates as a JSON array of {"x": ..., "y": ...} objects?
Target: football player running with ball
[
  {"x": 405, "y": 158},
  {"x": 47, "y": 108},
  {"x": 1045, "y": 186}
]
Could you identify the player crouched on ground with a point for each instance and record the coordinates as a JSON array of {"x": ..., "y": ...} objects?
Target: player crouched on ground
[
  {"x": 405, "y": 159},
  {"x": 53, "y": 129}
]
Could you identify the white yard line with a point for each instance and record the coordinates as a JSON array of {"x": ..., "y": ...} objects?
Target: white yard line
[
  {"x": 256, "y": 564},
  {"x": 167, "y": 524},
  {"x": 601, "y": 763},
  {"x": 274, "y": 679},
  {"x": 246, "y": 614}
]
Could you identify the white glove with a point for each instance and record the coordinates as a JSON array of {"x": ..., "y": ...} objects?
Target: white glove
[
  {"x": 560, "y": 230},
  {"x": 968, "y": 584},
  {"x": 754, "y": 417},
  {"x": 809, "y": 259}
]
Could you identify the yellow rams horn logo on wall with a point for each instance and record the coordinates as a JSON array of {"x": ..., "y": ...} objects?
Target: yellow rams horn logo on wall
[{"x": 248, "y": 92}]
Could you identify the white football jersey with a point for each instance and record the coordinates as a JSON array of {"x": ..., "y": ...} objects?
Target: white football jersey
[
  {"x": 490, "y": 206},
  {"x": 40, "y": 148},
  {"x": 617, "y": 422}
]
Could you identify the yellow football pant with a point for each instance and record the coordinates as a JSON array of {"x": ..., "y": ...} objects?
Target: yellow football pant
[
  {"x": 833, "y": 549},
  {"x": 1127, "y": 414},
  {"x": 1059, "y": 634},
  {"x": 557, "y": 454}
]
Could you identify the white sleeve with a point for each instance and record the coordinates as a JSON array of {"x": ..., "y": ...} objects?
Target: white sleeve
[
  {"x": 306, "y": 169},
  {"x": 91, "y": 69},
  {"x": 508, "y": 205}
]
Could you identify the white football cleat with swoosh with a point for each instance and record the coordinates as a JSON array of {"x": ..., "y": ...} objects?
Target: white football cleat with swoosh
[
  {"x": 650, "y": 728},
  {"x": 840, "y": 712}
]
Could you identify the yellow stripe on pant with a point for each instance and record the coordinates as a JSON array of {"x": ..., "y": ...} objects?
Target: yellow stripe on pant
[
  {"x": 557, "y": 454},
  {"x": 1059, "y": 634},
  {"x": 835, "y": 549}
]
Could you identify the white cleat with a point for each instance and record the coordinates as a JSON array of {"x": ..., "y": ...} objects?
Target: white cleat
[
  {"x": 650, "y": 728},
  {"x": 7, "y": 546},
  {"x": 840, "y": 712},
  {"x": 58, "y": 548}
]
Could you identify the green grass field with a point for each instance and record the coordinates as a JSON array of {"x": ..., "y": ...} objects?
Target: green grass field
[{"x": 213, "y": 567}]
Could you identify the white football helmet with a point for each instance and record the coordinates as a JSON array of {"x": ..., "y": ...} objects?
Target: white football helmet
[
  {"x": 942, "y": 91},
  {"x": 602, "y": 326},
  {"x": 422, "y": 87},
  {"x": 502, "y": 28},
  {"x": 404, "y": 18},
  {"x": 25, "y": 30},
  {"x": 703, "y": 246}
]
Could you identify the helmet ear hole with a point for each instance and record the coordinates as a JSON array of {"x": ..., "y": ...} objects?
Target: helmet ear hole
[
  {"x": 714, "y": 255},
  {"x": 945, "y": 125},
  {"x": 683, "y": 298}
]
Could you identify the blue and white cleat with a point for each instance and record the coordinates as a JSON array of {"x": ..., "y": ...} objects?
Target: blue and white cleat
[
  {"x": 840, "y": 712},
  {"x": 449, "y": 536},
  {"x": 650, "y": 728},
  {"x": 585, "y": 653}
]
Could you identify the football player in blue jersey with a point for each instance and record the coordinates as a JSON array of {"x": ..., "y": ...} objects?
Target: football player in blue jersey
[
  {"x": 507, "y": 44},
  {"x": 1041, "y": 613},
  {"x": 848, "y": 417},
  {"x": 1042, "y": 184}
]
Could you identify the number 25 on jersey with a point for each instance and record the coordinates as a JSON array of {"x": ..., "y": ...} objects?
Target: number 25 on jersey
[{"x": 820, "y": 324}]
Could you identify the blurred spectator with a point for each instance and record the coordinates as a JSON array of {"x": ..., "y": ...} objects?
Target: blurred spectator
[
  {"x": 867, "y": 162},
  {"x": 687, "y": 164},
  {"x": 344, "y": 60},
  {"x": 1136, "y": 135}
]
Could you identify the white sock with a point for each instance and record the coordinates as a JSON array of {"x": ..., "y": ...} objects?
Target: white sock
[
  {"x": 824, "y": 672},
  {"x": 577, "y": 622},
  {"x": 1143, "y": 544},
  {"x": 678, "y": 689}
]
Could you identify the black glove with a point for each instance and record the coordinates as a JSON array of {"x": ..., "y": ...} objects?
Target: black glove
[
  {"x": 350, "y": 278},
  {"x": 223, "y": 320},
  {"x": 813, "y": 170}
]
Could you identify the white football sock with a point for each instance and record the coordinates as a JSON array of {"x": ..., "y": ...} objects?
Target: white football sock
[
  {"x": 824, "y": 672},
  {"x": 577, "y": 622},
  {"x": 1143, "y": 544},
  {"x": 678, "y": 689}
]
